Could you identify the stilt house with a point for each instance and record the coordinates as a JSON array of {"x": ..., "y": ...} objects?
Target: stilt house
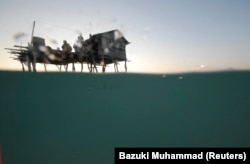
[{"x": 108, "y": 46}]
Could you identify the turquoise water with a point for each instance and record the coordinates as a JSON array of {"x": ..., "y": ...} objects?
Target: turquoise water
[{"x": 80, "y": 118}]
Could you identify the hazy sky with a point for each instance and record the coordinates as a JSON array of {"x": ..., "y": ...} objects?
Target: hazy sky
[{"x": 165, "y": 35}]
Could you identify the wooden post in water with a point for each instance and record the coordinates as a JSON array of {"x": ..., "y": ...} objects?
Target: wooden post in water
[{"x": 34, "y": 54}]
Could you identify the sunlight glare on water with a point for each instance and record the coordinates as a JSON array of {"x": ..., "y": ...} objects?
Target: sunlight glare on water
[{"x": 180, "y": 77}]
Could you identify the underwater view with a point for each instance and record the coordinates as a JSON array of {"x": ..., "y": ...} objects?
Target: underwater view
[{"x": 80, "y": 118}]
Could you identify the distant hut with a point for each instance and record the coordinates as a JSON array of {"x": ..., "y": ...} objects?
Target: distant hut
[{"x": 106, "y": 48}]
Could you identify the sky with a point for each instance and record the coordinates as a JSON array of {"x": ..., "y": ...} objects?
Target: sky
[{"x": 165, "y": 35}]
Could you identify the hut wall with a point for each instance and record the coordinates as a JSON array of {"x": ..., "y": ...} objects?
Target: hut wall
[
  {"x": 38, "y": 41},
  {"x": 112, "y": 48}
]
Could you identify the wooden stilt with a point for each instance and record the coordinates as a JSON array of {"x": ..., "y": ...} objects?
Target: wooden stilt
[
  {"x": 81, "y": 56},
  {"x": 81, "y": 66},
  {"x": 125, "y": 65},
  {"x": 34, "y": 61},
  {"x": 73, "y": 67},
  {"x": 23, "y": 67},
  {"x": 115, "y": 66},
  {"x": 34, "y": 66},
  {"x": 96, "y": 70},
  {"x": 90, "y": 67},
  {"x": 45, "y": 67},
  {"x": 103, "y": 68},
  {"x": 66, "y": 67},
  {"x": 29, "y": 64},
  {"x": 103, "y": 65},
  {"x": 94, "y": 64}
]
